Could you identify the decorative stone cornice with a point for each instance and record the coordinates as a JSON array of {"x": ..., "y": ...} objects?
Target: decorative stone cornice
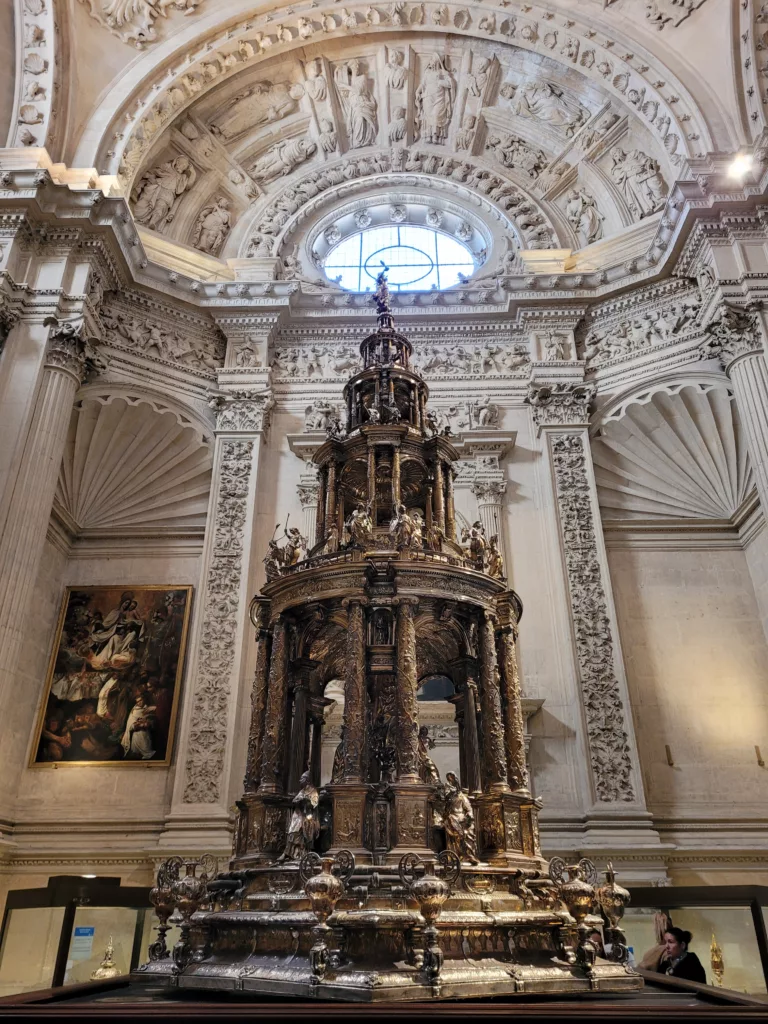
[
  {"x": 560, "y": 403},
  {"x": 732, "y": 334},
  {"x": 241, "y": 412}
]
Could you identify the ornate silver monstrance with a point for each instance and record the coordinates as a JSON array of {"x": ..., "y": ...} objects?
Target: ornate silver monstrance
[{"x": 387, "y": 883}]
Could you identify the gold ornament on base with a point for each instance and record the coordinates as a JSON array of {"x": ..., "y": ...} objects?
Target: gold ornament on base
[
  {"x": 107, "y": 968},
  {"x": 716, "y": 960}
]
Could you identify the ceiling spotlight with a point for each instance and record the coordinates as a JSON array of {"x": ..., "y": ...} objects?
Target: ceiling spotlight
[
  {"x": 741, "y": 166},
  {"x": 87, "y": 876}
]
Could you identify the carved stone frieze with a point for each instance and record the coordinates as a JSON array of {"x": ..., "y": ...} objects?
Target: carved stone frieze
[
  {"x": 560, "y": 403},
  {"x": 217, "y": 646},
  {"x": 154, "y": 340},
  {"x": 603, "y": 707},
  {"x": 242, "y": 411},
  {"x": 650, "y": 328},
  {"x": 733, "y": 333}
]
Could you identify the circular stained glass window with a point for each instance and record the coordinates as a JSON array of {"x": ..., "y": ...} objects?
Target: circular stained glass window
[{"x": 418, "y": 259}]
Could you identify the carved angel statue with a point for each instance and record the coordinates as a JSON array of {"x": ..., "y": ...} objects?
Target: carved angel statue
[
  {"x": 459, "y": 820},
  {"x": 434, "y": 101},
  {"x": 304, "y": 826},
  {"x": 427, "y": 769},
  {"x": 160, "y": 190},
  {"x": 359, "y": 525},
  {"x": 213, "y": 226},
  {"x": 494, "y": 562}
]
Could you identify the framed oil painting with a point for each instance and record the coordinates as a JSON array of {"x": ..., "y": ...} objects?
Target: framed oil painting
[{"x": 112, "y": 690}]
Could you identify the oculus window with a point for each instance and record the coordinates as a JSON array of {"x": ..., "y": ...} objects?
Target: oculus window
[{"x": 418, "y": 259}]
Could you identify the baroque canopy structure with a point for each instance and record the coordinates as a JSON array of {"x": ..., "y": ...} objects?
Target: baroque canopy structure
[{"x": 386, "y": 580}]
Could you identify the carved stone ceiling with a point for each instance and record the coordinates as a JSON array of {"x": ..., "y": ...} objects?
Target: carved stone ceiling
[{"x": 564, "y": 141}]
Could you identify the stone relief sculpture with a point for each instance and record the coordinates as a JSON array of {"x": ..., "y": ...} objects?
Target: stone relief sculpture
[
  {"x": 649, "y": 329},
  {"x": 545, "y": 102},
  {"x": 515, "y": 153},
  {"x": 328, "y": 141},
  {"x": 399, "y": 125},
  {"x": 159, "y": 192},
  {"x": 133, "y": 21},
  {"x": 479, "y": 78},
  {"x": 282, "y": 159},
  {"x": 316, "y": 85},
  {"x": 212, "y": 226},
  {"x": 434, "y": 101},
  {"x": 583, "y": 214},
  {"x": 396, "y": 72},
  {"x": 639, "y": 180},
  {"x": 555, "y": 346},
  {"x": 155, "y": 342},
  {"x": 320, "y": 415},
  {"x": 262, "y": 103},
  {"x": 466, "y": 133},
  {"x": 358, "y": 104}
]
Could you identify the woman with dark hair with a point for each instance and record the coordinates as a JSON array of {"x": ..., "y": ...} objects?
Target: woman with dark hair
[{"x": 678, "y": 960}]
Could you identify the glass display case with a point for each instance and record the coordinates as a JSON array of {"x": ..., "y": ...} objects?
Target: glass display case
[
  {"x": 59, "y": 935},
  {"x": 728, "y": 924}
]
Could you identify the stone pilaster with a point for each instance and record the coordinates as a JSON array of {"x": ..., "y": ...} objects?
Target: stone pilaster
[
  {"x": 29, "y": 510},
  {"x": 735, "y": 337},
  {"x": 204, "y": 787},
  {"x": 561, "y": 413},
  {"x": 490, "y": 501},
  {"x": 309, "y": 491}
]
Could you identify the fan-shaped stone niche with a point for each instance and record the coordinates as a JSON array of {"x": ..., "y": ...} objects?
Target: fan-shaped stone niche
[
  {"x": 677, "y": 452},
  {"x": 133, "y": 466}
]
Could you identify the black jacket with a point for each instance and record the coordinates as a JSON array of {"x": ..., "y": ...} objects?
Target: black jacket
[{"x": 688, "y": 969}]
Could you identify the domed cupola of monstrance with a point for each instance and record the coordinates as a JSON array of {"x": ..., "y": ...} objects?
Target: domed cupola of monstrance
[{"x": 386, "y": 599}]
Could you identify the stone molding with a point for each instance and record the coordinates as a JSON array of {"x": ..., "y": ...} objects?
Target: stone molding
[{"x": 603, "y": 708}]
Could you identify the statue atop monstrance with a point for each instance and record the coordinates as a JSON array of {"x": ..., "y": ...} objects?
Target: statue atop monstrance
[{"x": 372, "y": 885}]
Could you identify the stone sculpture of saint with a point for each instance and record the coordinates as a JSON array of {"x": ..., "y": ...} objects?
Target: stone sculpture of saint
[
  {"x": 396, "y": 72},
  {"x": 304, "y": 826},
  {"x": 584, "y": 216},
  {"x": 544, "y": 102},
  {"x": 459, "y": 821},
  {"x": 639, "y": 180},
  {"x": 213, "y": 226},
  {"x": 282, "y": 159},
  {"x": 434, "y": 101},
  {"x": 160, "y": 190},
  {"x": 359, "y": 105}
]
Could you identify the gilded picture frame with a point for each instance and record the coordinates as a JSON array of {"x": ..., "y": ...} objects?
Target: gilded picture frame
[{"x": 114, "y": 678}]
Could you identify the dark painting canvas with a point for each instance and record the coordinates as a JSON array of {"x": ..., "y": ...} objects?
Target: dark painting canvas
[{"x": 113, "y": 683}]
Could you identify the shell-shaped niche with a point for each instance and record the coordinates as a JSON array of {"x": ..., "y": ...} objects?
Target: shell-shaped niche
[
  {"x": 679, "y": 452},
  {"x": 132, "y": 467}
]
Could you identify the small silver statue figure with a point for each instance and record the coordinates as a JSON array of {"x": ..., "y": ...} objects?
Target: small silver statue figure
[
  {"x": 494, "y": 562},
  {"x": 427, "y": 768},
  {"x": 304, "y": 826},
  {"x": 459, "y": 821},
  {"x": 406, "y": 530},
  {"x": 360, "y": 526}
]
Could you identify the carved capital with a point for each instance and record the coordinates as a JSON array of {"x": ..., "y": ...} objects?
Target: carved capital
[
  {"x": 733, "y": 333},
  {"x": 308, "y": 495},
  {"x": 242, "y": 412},
  {"x": 560, "y": 404},
  {"x": 67, "y": 350},
  {"x": 8, "y": 317},
  {"x": 489, "y": 492}
]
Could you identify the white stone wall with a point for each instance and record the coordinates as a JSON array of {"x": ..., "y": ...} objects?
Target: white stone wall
[{"x": 697, "y": 664}]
